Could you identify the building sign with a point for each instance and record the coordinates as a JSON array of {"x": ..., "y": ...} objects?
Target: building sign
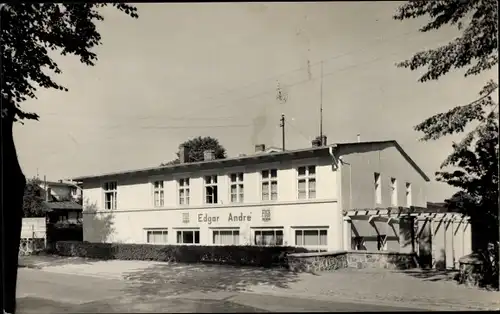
[
  {"x": 185, "y": 218},
  {"x": 266, "y": 214},
  {"x": 205, "y": 218}
]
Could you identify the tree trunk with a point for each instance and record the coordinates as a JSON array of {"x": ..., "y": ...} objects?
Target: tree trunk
[{"x": 12, "y": 190}]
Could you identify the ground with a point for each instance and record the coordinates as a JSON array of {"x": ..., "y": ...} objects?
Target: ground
[{"x": 49, "y": 284}]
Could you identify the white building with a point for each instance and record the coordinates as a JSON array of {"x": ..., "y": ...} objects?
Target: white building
[
  {"x": 290, "y": 198},
  {"x": 61, "y": 190}
]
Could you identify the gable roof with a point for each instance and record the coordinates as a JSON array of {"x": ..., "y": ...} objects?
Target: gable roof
[
  {"x": 398, "y": 147},
  {"x": 279, "y": 155}
]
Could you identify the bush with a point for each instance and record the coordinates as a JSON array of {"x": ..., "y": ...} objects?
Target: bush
[{"x": 273, "y": 256}]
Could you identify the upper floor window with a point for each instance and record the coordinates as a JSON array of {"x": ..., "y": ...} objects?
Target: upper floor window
[
  {"x": 110, "y": 194},
  {"x": 408, "y": 194},
  {"x": 394, "y": 192},
  {"x": 269, "y": 184},
  {"x": 211, "y": 195},
  {"x": 306, "y": 184},
  {"x": 236, "y": 188},
  {"x": 183, "y": 191},
  {"x": 378, "y": 188},
  {"x": 158, "y": 194}
]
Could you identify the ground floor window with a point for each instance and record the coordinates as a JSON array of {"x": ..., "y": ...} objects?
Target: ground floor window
[
  {"x": 358, "y": 244},
  {"x": 157, "y": 236},
  {"x": 268, "y": 236},
  {"x": 226, "y": 237},
  {"x": 311, "y": 237},
  {"x": 188, "y": 236}
]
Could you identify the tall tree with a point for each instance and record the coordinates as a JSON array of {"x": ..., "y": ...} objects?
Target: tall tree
[
  {"x": 28, "y": 32},
  {"x": 473, "y": 164},
  {"x": 33, "y": 200},
  {"x": 196, "y": 148}
]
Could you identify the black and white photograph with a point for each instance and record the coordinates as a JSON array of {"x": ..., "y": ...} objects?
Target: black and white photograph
[{"x": 225, "y": 157}]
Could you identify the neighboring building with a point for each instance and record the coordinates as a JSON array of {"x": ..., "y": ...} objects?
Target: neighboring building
[
  {"x": 61, "y": 191},
  {"x": 64, "y": 212},
  {"x": 293, "y": 198}
]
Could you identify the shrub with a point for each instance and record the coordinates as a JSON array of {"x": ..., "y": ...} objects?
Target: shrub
[{"x": 274, "y": 256}]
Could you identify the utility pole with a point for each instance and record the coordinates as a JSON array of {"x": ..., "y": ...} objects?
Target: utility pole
[
  {"x": 321, "y": 107},
  {"x": 282, "y": 126}
]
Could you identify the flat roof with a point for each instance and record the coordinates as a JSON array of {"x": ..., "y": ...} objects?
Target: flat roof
[{"x": 254, "y": 158}]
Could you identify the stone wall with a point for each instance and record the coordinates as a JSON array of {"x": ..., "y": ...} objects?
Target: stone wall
[
  {"x": 329, "y": 261},
  {"x": 381, "y": 259},
  {"x": 316, "y": 262},
  {"x": 471, "y": 270}
]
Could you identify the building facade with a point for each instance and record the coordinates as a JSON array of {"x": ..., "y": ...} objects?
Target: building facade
[
  {"x": 61, "y": 191},
  {"x": 292, "y": 198}
]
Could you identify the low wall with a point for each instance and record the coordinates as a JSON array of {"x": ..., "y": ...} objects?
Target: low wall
[
  {"x": 328, "y": 261},
  {"x": 314, "y": 262}
]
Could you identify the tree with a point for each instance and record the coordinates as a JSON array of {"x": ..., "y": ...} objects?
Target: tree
[
  {"x": 33, "y": 200},
  {"x": 196, "y": 148},
  {"x": 28, "y": 32},
  {"x": 475, "y": 157}
]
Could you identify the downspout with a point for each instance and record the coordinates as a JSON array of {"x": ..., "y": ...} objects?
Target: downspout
[
  {"x": 335, "y": 165},
  {"x": 335, "y": 161}
]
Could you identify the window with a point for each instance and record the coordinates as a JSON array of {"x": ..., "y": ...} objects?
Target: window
[
  {"x": 188, "y": 236},
  {"x": 183, "y": 191},
  {"x": 269, "y": 184},
  {"x": 311, "y": 237},
  {"x": 158, "y": 194},
  {"x": 236, "y": 187},
  {"x": 306, "y": 182},
  {"x": 110, "y": 195},
  {"x": 394, "y": 192},
  {"x": 382, "y": 242},
  {"x": 378, "y": 188},
  {"x": 159, "y": 236},
  {"x": 358, "y": 244},
  {"x": 211, "y": 190},
  {"x": 268, "y": 237},
  {"x": 226, "y": 237},
  {"x": 408, "y": 194}
]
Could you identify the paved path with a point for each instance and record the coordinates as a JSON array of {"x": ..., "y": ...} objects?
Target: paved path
[
  {"x": 416, "y": 289},
  {"x": 46, "y": 292}
]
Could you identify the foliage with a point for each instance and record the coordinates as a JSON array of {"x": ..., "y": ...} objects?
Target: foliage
[
  {"x": 33, "y": 199},
  {"x": 271, "y": 256},
  {"x": 197, "y": 146},
  {"x": 98, "y": 226},
  {"x": 30, "y": 30},
  {"x": 475, "y": 158}
]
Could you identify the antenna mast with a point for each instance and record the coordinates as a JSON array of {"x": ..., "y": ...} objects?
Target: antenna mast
[
  {"x": 282, "y": 125},
  {"x": 321, "y": 107}
]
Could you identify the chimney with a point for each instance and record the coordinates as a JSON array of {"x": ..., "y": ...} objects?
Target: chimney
[
  {"x": 316, "y": 142},
  {"x": 323, "y": 140},
  {"x": 183, "y": 154},
  {"x": 260, "y": 148},
  {"x": 208, "y": 154},
  {"x": 359, "y": 138},
  {"x": 319, "y": 141}
]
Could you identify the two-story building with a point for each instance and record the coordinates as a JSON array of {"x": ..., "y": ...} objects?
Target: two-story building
[
  {"x": 61, "y": 191},
  {"x": 274, "y": 197}
]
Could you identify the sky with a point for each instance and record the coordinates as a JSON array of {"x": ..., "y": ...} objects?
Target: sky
[{"x": 211, "y": 69}]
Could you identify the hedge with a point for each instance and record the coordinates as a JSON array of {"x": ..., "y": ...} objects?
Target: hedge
[{"x": 268, "y": 256}]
